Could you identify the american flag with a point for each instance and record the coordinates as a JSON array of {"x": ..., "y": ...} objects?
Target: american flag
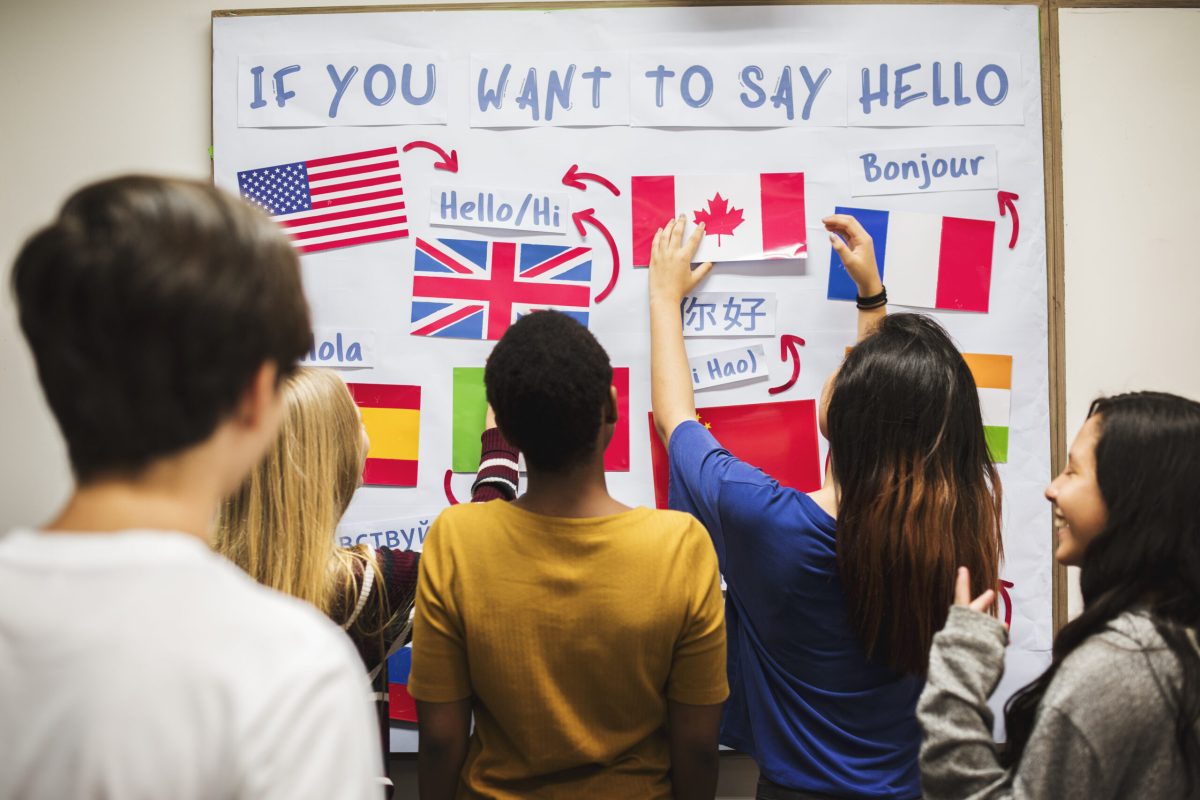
[
  {"x": 330, "y": 202},
  {"x": 469, "y": 289}
]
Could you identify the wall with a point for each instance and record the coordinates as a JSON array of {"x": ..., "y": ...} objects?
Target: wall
[
  {"x": 125, "y": 85},
  {"x": 1130, "y": 112}
]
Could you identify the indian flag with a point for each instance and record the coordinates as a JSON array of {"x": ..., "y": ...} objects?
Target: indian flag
[
  {"x": 993, "y": 379},
  {"x": 391, "y": 414}
]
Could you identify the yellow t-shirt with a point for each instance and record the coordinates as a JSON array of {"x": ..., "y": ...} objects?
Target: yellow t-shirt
[{"x": 569, "y": 635}]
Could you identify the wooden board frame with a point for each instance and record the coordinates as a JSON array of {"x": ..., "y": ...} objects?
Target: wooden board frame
[{"x": 1051, "y": 145}]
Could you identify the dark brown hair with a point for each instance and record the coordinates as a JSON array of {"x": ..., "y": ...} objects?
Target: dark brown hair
[
  {"x": 149, "y": 305},
  {"x": 919, "y": 492}
]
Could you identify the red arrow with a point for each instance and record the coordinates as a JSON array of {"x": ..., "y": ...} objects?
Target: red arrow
[
  {"x": 1006, "y": 204},
  {"x": 446, "y": 486},
  {"x": 574, "y": 178},
  {"x": 448, "y": 162},
  {"x": 589, "y": 215},
  {"x": 787, "y": 349},
  {"x": 1004, "y": 587}
]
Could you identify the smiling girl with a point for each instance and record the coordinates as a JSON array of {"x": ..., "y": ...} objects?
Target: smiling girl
[{"x": 1117, "y": 714}]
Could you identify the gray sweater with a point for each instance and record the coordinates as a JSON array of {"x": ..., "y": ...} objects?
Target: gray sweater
[{"x": 1105, "y": 726}]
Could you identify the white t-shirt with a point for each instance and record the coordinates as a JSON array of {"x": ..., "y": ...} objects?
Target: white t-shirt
[{"x": 140, "y": 664}]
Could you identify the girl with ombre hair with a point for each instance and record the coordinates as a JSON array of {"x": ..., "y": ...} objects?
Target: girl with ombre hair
[{"x": 834, "y": 596}]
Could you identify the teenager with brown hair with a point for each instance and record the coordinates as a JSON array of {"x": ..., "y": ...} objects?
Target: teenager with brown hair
[
  {"x": 833, "y": 597},
  {"x": 134, "y": 661}
]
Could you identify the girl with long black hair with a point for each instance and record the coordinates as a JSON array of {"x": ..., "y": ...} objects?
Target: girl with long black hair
[{"x": 1117, "y": 713}]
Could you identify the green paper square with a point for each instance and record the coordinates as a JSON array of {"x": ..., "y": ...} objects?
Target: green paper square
[
  {"x": 470, "y": 415},
  {"x": 997, "y": 442}
]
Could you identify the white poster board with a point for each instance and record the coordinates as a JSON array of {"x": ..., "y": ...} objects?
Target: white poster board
[{"x": 750, "y": 91}]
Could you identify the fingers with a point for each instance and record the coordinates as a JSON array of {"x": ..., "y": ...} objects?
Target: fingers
[
  {"x": 677, "y": 226},
  {"x": 962, "y": 587},
  {"x": 849, "y": 228},
  {"x": 962, "y": 593},
  {"x": 693, "y": 242},
  {"x": 840, "y": 247},
  {"x": 656, "y": 245},
  {"x": 701, "y": 272},
  {"x": 983, "y": 602}
]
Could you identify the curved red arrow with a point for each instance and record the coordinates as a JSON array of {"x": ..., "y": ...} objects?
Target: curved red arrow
[
  {"x": 787, "y": 349},
  {"x": 449, "y": 491},
  {"x": 574, "y": 178},
  {"x": 449, "y": 161},
  {"x": 1006, "y": 201},
  {"x": 589, "y": 215},
  {"x": 1004, "y": 587}
]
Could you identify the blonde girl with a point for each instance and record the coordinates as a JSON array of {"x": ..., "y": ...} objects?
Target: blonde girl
[{"x": 279, "y": 526}]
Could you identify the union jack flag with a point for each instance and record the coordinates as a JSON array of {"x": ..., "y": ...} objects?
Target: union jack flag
[
  {"x": 469, "y": 289},
  {"x": 337, "y": 201}
]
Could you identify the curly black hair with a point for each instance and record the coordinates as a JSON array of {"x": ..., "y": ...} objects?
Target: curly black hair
[{"x": 548, "y": 381}]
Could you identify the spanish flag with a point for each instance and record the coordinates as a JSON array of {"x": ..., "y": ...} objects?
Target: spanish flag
[
  {"x": 993, "y": 379},
  {"x": 392, "y": 417}
]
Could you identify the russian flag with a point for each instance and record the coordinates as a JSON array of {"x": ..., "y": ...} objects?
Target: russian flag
[
  {"x": 401, "y": 705},
  {"x": 747, "y": 217},
  {"x": 924, "y": 260}
]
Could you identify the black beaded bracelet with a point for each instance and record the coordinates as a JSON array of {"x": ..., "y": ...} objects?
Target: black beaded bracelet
[{"x": 874, "y": 301}]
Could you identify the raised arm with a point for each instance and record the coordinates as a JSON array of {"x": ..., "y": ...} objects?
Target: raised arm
[
  {"x": 671, "y": 277},
  {"x": 857, "y": 251},
  {"x": 497, "y": 475}
]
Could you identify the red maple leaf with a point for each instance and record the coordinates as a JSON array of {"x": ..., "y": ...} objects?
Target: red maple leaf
[{"x": 719, "y": 220}]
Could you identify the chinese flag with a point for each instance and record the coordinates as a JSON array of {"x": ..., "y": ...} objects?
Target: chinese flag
[
  {"x": 392, "y": 416},
  {"x": 778, "y": 438}
]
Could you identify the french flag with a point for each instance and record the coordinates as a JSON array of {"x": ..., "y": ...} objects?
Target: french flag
[
  {"x": 924, "y": 260},
  {"x": 747, "y": 217}
]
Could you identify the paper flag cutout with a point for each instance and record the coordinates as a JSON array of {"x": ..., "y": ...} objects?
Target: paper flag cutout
[
  {"x": 470, "y": 411},
  {"x": 337, "y": 201},
  {"x": 924, "y": 260},
  {"x": 748, "y": 217},
  {"x": 401, "y": 705},
  {"x": 993, "y": 379},
  {"x": 392, "y": 416},
  {"x": 778, "y": 438},
  {"x": 470, "y": 289}
]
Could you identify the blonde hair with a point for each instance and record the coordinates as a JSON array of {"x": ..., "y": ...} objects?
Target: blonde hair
[{"x": 279, "y": 526}]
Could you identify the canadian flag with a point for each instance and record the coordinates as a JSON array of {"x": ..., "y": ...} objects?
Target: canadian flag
[{"x": 746, "y": 217}]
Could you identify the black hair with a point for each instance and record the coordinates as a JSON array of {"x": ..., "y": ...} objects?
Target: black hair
[
  {"x": 548, "y": 381},
  {"x": 1147, "y": 553},
  {"x": 919, "y": 492},
  {"x": 149, "y": 305}
]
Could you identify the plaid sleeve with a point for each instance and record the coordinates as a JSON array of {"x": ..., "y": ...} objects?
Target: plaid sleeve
[{"x": 497, "y": 476}]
